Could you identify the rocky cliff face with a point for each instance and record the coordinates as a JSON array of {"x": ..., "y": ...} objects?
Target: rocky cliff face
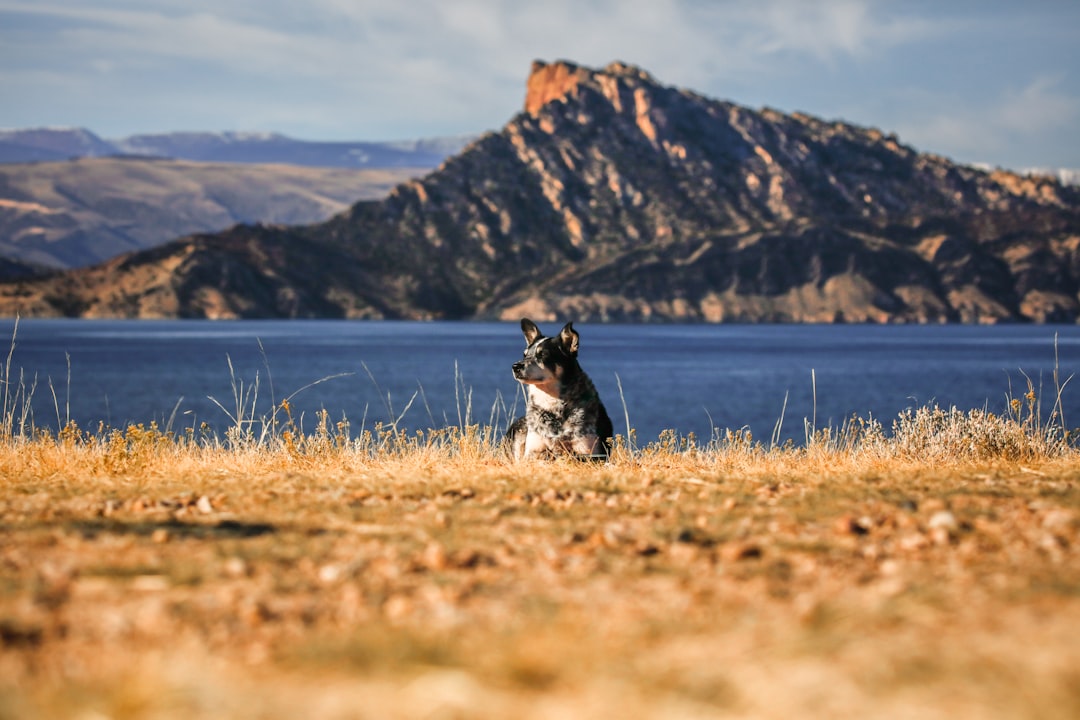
[{"x": 615, "y": 197}]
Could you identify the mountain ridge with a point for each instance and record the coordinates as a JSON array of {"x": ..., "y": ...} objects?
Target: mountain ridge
[
  {"x": 614, "y": 197},
  {"x": 58, "y": 144}
]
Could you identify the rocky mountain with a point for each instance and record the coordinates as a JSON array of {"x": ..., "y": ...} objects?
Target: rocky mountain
[
  {"x": 45, "y": 144},
  {"x": 80, "y": 212},
  {"x": 615, "y": 197}
]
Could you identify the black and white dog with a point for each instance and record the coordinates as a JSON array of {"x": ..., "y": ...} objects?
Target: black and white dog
[{"x": 563, "y": 412}]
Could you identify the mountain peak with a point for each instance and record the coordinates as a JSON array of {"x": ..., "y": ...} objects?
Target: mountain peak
[
  {"x": 560, "y": 79},
  {"x": 551, "y": 81}
]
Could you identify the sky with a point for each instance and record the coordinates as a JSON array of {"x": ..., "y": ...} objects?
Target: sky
[{"x": 983, "y": 82}]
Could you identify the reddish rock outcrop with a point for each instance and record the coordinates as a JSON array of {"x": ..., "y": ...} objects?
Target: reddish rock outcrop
[{"x": 549, "y": 82}]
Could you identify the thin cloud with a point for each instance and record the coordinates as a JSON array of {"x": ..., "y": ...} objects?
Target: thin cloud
[
  {"x": 1039, "y": 106},
  {"x": 828, "y": 31}
]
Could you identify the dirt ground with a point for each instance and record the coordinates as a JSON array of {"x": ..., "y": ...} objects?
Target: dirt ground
[{"x": 472, "y": 587}]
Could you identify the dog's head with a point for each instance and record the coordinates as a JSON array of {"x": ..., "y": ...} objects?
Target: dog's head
[{"x": 547, "y": 359}]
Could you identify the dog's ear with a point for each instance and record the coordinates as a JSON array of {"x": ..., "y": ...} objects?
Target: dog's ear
[
  {"x": 569, "y": 339},
  {"x": 531, "y": 331}
]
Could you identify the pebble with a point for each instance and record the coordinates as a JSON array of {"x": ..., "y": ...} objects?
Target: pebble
[{"x": 943, "y": 519}]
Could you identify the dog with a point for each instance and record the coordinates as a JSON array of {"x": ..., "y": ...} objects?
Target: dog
[{"x": 563, "y": 412}]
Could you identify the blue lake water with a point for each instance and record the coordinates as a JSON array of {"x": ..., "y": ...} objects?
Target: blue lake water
[{"x": 690, "y": 378}]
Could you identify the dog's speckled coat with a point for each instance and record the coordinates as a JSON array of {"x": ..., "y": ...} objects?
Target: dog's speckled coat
[{"x": 563, "y": 412}]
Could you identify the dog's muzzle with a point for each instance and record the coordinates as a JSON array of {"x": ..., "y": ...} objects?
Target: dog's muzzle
[{"x": 519, "y": 369}]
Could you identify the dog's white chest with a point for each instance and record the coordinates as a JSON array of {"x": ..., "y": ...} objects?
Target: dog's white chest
[{"x": 543, "y": 400}]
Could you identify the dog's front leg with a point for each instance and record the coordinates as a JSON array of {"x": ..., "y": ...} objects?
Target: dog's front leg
[
  {"x": 587, "y": 445},
  {"x": 536, "y": 445}
]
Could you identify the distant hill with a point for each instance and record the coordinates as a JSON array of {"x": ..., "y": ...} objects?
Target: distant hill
[
  {"x": 273, "y": 148},
  {"x": 80, "y": 212},
  {"x": 45, "y": 144},
  {"x": 615, "y": 197}
]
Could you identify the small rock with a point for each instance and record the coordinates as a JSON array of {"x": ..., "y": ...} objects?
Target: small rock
[
  {"x": 1058, "y": 519},
  {"x": 253, "y": 612},
  {"x": 646, "y": 549},
  {"x": 468, "y": 558},
  {"x": 434, "y": 557},
  {"x": 740, "y": 551},
  {"x": 850, "y": 525},
  {"x": 235, "y": 567},
  {"x": 943, "y": 519},
  {"x": 912, "y": 541},
  {"x": 397, "y": 607},
  {"x": 329, "y": 574},
  {"x": 693, "y": 535},
  {"x": 889, "y": 567},
  {"x": 204, "y": 505}
]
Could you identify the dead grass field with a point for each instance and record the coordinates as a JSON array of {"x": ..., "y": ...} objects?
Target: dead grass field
[{"x": 931, "y": 571}]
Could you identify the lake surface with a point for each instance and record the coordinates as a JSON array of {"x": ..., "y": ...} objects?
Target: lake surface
[{"x": 690, "y": 378}]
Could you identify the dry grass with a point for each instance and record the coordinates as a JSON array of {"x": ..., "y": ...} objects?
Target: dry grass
[
  {"x": 926, "y": 570},
  {"x": 929, "y": 571}
]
